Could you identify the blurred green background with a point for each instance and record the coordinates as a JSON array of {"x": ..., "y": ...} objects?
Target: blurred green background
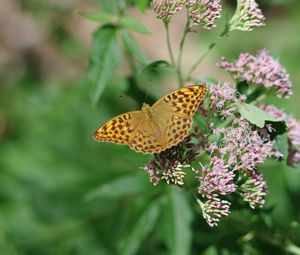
[{"x": 63, "y": 193}]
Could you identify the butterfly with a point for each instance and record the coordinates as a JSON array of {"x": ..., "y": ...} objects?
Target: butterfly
[{"x": 158, "y": 127}]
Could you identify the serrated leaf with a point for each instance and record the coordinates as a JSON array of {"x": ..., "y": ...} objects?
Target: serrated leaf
[
  {"x": 180, "y": 223},
  {"x": 105, "y": 58},
  {"x": 133, "y": 47},
  {"x": 121, "y": 187},
  {"x": 99, "y": 16},
  {"x": 130, "y": 23},
  {"x": 144, "y": 225},
  {"x": 255, "y": 115}
]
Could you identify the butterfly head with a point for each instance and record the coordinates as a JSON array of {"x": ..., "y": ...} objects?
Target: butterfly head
[{"x": 146, "y": 109}]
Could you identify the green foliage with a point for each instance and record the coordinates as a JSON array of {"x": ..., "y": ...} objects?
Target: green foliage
[
  {"x": 143, "y": 226},
  {"x": 178, "y": 220},
  {"x": 140, "y": 4},
  {"x": 133, "y": 24},
  {"x": 99, "y": 16},
  {"x": 105, "y": 58},
  {"x": 133, "y": 48},
  {"x": 257, "y": 116},
  {"x": 282, "y": 145}
]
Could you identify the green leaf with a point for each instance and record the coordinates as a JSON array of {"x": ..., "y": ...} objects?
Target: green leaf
[
  {"x": 255, "y": 115},
  {"x": 105, "y": 58},
  {"x": 121, "y": 187},
  {"x": 133, "y": 24},
  {"x": 99, "y": 16},
  {"x": 149, "y": 78},
  {"x": 278, "y": 128},
  {"x": 242, "y": 87},
  {"x": 179, "y": 223},
  {"x": 133, "y": 47},
  {"x": 157, "y": 67},
  {"x": 255, "y": 94},
  {"x": 144, "y": 225},
  {"x": 152, "y": 72},
  {"x": 282, "y": 145},
  {"x": 211, "y": 250}
]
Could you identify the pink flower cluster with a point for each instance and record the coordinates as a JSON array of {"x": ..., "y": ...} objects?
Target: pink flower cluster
[
  {"x": 166, "y": 8},
  {"x": 221, "y": 99},
  {"x": 201, "y": 12},
  {"x": 204, "y": 12},
  {"x": 247, "y": 16},
  {"x": 253, "y": 190},
  {"x": 237, "y": 152},
  {"x": 216, "y": 179},
  {"x": 245, "y": 148},
  {"x": 293, "y": 132},
  {"x": 214, "y": 209},
  {"x": 262, "y": 70}
]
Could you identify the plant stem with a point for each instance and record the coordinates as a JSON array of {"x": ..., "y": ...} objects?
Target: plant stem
[
  {"x": 169, "y": 44},
  {"x": 179, "y": 71},
  {"x": 211, "y": 46}
]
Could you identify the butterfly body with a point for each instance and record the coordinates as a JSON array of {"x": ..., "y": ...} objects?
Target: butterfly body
[
  {"x": 146, "y": 109},
  {"x": 158, "y": 127}
]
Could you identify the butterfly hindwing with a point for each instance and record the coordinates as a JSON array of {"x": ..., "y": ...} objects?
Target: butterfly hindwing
[
  {"x": 174, "y": 128},
  {"x": 147, "y": 138}
]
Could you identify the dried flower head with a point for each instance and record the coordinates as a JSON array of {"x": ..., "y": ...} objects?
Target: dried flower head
[
  {"x": 213, "y": 210},
  {"x": 169, "y": 165},
  {"x": 175, "y": 174},
  {"x": 253, "y": 190},
  {"x": 204, "y": 12},
  {"x": 166, "y": 8},
  {"x": 261, "y": 70},
  {"x": 247, "y": 16},
  {"x": 216, "y": 180}
]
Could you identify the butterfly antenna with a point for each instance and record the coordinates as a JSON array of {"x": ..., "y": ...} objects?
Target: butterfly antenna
[
  {"x": 129, "y": 99},
  {"x": 147, "y": 93}
]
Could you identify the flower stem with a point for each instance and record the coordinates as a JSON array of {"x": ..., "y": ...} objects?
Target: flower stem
[
  {"x": 202, "y": 57},
  {"x": 169, "y": 44},
  {"x": 179, "y": 62}
]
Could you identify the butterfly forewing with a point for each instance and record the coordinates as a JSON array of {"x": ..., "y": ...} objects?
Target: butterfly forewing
[
  {"x": 119, "y": 129},
  {"x": 181, "y": 102}
]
